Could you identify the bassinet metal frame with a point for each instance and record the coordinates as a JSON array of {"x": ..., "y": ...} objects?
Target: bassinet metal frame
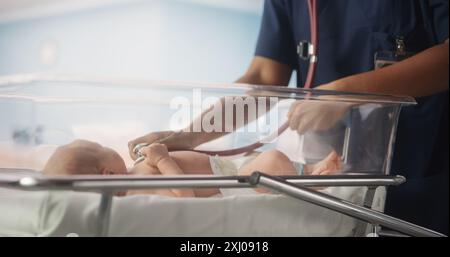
[{"x": 297, "y": 187}]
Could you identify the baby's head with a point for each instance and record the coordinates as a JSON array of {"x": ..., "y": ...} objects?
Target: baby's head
[
  {"x": 85, "y": 158},
  {"x": 112, "y": 163}
]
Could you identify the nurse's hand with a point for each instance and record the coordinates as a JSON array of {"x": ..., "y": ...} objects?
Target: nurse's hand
[
  {"x": 174, "y": 141},
  {"x": 84, "y": 158},
  {"x": 316, "y": 115}
]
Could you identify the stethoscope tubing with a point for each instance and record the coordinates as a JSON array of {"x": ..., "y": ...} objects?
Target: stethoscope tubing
[{"x": 312, "y": 9}]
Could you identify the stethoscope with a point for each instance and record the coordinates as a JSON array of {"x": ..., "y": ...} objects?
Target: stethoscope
[{"x": 306, "y": 51}]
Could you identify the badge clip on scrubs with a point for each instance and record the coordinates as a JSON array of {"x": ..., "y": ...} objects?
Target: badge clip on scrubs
[{"x": 306, "y": 50}]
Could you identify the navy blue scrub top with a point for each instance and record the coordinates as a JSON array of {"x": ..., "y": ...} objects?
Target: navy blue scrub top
[{"x": 350, "y": 33}]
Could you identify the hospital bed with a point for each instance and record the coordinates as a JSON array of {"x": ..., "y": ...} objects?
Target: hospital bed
[{"x": 40, "y": 112}]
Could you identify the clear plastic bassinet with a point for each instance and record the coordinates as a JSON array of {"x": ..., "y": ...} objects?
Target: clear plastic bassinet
[{"x": 38, "y": 114}]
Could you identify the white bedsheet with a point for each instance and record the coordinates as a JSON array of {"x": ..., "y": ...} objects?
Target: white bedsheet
[{"x": 61, "y": 213}]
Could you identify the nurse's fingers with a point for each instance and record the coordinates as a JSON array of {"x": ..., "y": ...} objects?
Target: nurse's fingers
[
  {"x": 293, "y": 108},
  {"x": 322, "y": 123},
  {"x": 296, "y": 117},
  {"x": 302, "y": 115},
  {"x": 131, "y": 147},
  {"x": 305, "y": 124},
  {"x": 317, "y": 120},
  {"x": 147, "y": 139}
]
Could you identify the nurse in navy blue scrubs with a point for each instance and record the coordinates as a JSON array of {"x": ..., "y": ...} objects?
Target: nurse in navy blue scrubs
[{"x": 351, "y": 32}]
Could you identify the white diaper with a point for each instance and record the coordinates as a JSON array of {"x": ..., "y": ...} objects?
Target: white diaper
[{"x": 230, "y": 167}]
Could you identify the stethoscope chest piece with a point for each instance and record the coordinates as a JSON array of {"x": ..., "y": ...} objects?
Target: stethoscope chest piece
[{"x": 137, "y": 150}]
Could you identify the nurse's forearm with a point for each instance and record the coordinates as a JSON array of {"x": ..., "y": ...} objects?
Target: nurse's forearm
[
  {"x": 423, "y": 74},
  {"x": 242, "y": 114},
  {"x": 262, "y": 71}
]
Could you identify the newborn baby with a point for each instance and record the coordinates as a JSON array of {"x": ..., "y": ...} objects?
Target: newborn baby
[{"x": 101, "y": 160}]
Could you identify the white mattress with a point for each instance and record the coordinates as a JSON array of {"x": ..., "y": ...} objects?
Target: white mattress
[{"x": 63, "y": 213}]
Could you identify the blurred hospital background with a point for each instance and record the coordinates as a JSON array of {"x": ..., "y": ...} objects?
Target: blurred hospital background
[{"x": 194, "y": 40}]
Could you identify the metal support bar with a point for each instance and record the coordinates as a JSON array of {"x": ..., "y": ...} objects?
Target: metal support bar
[
  {"x": 362, "y": 226},
  {"x": 339, "y": 205},
  {"x": 104, "y": 214},
  {"x": 117, "y": 183}
]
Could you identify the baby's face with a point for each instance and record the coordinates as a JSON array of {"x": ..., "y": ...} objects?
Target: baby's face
[{"x": 112, "y": 163}]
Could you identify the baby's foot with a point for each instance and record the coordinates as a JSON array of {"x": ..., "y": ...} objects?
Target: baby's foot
[{"x": 328, "y": 166}]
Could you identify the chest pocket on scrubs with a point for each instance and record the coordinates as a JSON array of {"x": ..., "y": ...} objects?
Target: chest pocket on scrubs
[{"x": 403, "y": 33}]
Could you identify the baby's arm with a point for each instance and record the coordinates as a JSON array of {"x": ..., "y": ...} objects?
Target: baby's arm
[{"x": 158, "y": 156}]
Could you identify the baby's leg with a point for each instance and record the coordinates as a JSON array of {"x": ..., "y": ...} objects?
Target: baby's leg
[{"x": 272, "y": 162}]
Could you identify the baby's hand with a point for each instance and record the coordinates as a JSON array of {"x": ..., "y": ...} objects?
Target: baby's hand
[{"x": 155, "y": 153}]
